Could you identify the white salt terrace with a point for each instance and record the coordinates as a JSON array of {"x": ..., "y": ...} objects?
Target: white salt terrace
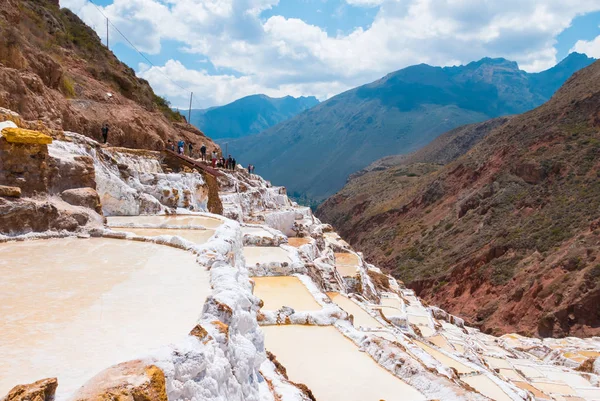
[
  {"x": 265, "y": 254},
  {"x": 346, "y": 264},
  {"x": 71, "y": 307},
  {"x": 361, "y": 317},
  {"x": 197, "y": 236},
  {"x": 182, "y": 220},
  {"x": 487, "y": 387},
  {"x": 256, "y": 231},
  {"x": 332, "y": 366},
  {"x": 277, "y": 292}
]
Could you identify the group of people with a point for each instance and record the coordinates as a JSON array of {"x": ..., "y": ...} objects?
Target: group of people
[
  {"x": 190, "y": 148},
  {"x": 222, "y": 162},
  {"x": 230, "y": 163}
]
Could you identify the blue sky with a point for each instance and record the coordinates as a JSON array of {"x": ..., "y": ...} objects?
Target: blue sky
[{"x": 225, "y": 49}]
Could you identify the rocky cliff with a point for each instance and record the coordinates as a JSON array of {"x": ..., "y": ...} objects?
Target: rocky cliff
[
  {"x": 507, "y": 234},
  {"x": 53, "y": 68}
]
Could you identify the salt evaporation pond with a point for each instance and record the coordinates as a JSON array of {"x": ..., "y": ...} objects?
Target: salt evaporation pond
[
  {"x": 277, "y": 292},
  {"x": 361, "y": 317},
  {"x": 332, "y": 366},
  {"x": 265, "y": 254},
  {"x": 197, "y": 236},
  {"x": 256, "y": 231},
  {"x": 346, "y": 264},
  {"x": 72, "y": 307},
  {"x": 173, "y": 220},
  {"x": 298, "y": 242}
]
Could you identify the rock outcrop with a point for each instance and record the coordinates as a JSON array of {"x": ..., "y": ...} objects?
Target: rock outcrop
[
  {"x": 128, "y": 381},
  {"x": 29, "y": 179},
  {"x": 41, "y": 390},
  {"x": 86, "y": 197}
]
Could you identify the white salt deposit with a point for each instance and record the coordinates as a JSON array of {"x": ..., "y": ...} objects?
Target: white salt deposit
[{"x": 72, "y": 307}]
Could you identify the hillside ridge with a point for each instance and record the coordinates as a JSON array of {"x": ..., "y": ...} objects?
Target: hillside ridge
[
  {"x": 54, "y": 68},
  {"x": 249, "y": 115},
  {"x": 505, "y": 235},
  {"x": 396, "y": 114}
]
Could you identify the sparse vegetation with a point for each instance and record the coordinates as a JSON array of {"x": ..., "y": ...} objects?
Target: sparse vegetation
[
  {"x": 165, "y": 107},
  {"x": 67, "y": 86}
]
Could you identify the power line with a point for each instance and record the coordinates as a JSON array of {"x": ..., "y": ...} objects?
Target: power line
[{"x": 141, "y": 54}]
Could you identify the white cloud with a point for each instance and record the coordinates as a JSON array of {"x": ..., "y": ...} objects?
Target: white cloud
[
  {"x": 589, "y": 47},
  {"x": 221, "y": 89},
  {"x": 365, "y": 3},
  {"x": 282, "y": 54}
]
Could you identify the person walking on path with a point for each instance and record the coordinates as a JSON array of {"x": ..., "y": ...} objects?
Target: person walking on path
[
  {"x": 180, "y": 147},
  {"x": 214, "y": 159},
  {"x": 191, "y": 149},
  {"x": 233, "y": 163},
  {"x": 228, "y": 163},
  {"x": 203, "y": 152},
  {"x": 249, "y": 168},
  {"x": 105, "y": 132}
]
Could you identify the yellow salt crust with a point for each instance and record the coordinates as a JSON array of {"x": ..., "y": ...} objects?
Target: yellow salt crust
[{"x": 25, "y": 136}]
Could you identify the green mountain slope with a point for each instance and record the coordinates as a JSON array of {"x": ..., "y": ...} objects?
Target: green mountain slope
[
  {"x": 314, "y": 152},
  {"x": 249, "y": 115}
]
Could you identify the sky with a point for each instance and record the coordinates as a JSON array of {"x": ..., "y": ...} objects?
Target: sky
[{"x": 223, "y": 50}]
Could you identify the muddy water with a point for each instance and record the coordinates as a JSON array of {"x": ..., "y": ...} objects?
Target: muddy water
[
  {"x": 332, "y": 366},
  {"x": 197, "y": 236},
  {"x": 174, "y": 220},
  {"x": 277, "y": 292},
  {"x": 265, "y": 254},
  {"x": 71, "y": 307}
]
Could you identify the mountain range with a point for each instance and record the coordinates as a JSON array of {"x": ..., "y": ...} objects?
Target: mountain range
[
  {"x": 396, "y": 114},
  {"x": 249, "y": 115},
  {"x": 498, "y": 222}
]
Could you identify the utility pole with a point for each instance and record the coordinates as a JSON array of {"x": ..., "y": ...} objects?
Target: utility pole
[
  {"x": 190, "y": 112},
  {"x": 107, "y": 44}
]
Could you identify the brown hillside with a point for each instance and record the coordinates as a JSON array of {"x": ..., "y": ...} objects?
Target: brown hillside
[
  {"x": 54, "y": 68},
  {"x": 507, "y": 235}
]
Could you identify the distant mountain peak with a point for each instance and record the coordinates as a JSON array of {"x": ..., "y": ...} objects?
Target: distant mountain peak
[
  {"x": 249, "y": 115},
  {"x": 498, "y": 62},
  {"x": 575, "y": 57},
  {"x": 313, "y": 153}
]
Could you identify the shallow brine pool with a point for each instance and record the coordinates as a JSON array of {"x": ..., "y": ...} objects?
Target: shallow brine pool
[
  {"x": 73, "y": 307},
  {"x": 197, "y": 236},
  {"x": 332, "y": 366},
  {"x": 173, "y": 220},
  {"x": 277, "y": 292}
]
